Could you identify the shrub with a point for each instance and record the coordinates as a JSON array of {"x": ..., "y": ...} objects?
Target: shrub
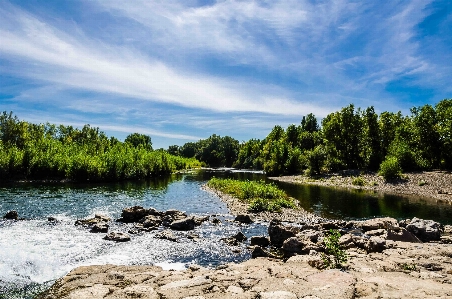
[
  {"x": 358, "y": 181},
  {"x": 334, "y": 255},
  {"x": 390, "y": 168}
]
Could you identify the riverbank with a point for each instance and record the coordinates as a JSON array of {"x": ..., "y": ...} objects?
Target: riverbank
[
  {"x": 237, "y": 207},
  {"x": 435, "y": 185}
]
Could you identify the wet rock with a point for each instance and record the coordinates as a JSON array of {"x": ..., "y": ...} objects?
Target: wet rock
[
  {"x": 235, "y": 239},
  {"x": 151, "y": 221},
  {"x": 378, "y": 223},
  {"x": 401, "y": 235},
  {"x": 329, "y": 225},
  {"x": 99, "y": 228},
  {"x": 166, "y": 235},
  {"x": 292, "y": 246},
  {"x": 117, "y": 237},
  {"x": 175, "y": 214},
  {"x": 447, "y": 230},
  {"x": 90, "y": 222},
  {"x": 279, "y": 233},
  {"x": 243, "y": 218},
  {"x": 133, "y": 214},
  {"x": 201, "y": 220},
  {"x": 425, "y": 230},
  {"x": 11, "y": 215},
  {"x": 52, "y": 219},
  {"x": 260, "y": 241},
  {"x": 375, "y": 244},
  {"x": 185, "y": 224},
  {"x": 215, "y": 220}
]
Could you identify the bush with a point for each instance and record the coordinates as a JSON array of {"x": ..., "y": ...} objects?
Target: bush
[
  {"x": 390, "y": 168},
  {"x": 334, "y": 255}
]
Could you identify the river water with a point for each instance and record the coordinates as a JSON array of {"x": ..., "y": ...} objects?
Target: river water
[{"x": 35, "y": 252}]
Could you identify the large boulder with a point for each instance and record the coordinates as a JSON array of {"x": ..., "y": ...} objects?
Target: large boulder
[
  {"x": 166, "y": 235},
  {"x": 99, "y": 228},
  {"x": 235, "y": 239},
  {"x": 279, "y": 233},
  {"x": 425, "y": 230},
  {"x": 11, "y": 215},
  {"x": 187, "y": 223},
  {"x": 98, "y": 219},
  {"x": 117, "y": 237}
]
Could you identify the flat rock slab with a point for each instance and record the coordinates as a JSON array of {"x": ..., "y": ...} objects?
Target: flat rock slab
[{"x": 407, "y": 270}]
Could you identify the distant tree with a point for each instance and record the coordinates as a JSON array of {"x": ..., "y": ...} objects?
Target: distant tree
[
  {"x": 137, "y": 139},
  {"x": 173, "y": 150},
  {"x": 309, "y": 123}
]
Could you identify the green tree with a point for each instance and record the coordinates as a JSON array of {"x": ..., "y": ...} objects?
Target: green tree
[{"x": 137, "y": 139}]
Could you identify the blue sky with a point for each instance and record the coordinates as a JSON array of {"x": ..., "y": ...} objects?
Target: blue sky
[{"x": 180, "y": 71}]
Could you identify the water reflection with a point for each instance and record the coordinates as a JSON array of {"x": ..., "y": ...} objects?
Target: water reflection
[{"x": 361, "y": 204}]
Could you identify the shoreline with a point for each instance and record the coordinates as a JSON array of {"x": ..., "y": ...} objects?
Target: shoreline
[
  {"x": 432, "y": 185},
  {"x": 237, "y": 207}
]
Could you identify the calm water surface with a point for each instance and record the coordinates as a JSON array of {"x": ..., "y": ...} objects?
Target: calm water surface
[{"x": 35, "y": 252}]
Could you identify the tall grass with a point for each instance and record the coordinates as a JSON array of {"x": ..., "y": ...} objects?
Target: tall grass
[{"x": 259, "y": 195}]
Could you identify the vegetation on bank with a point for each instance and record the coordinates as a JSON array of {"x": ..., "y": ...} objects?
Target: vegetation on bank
[
  {"x": 260, "y": 196},
  {"x": 46, "y": 151},
  {"x": 351, "y": 138}
]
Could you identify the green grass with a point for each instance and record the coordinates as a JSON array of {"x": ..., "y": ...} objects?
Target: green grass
[
  {"x": 358, "y": 181},
  {"x": 259, "y": 195}
]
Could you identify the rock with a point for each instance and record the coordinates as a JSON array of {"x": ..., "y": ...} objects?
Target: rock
[
  {"x": 52, "y": 219},
  {"x": 175, "y": 214},
  {"x": 187, "y": 223},
  {"x": 292, "y": 246},
  {"x": 279, "y": 233},
  {"x": 378, "y": 223},
  {"x": 90, "y": 222},
  {"x": 99, "y": 228},
  {"x": 201, "y": 220},
  {"x": 117, "y": 237},
  {"x": 133, "y": 214},
  {"x": 277, "y": 295},
  {"x": 447, "y": 230},
  {"x": 404, "y": 222},
  {"x": 329, "y": 225},
  {"x": 425, "y": 230},
  {"x": 376, "y": 232},
  {"x": 310, "y": 234},
  {"x": 215, "y": 220},
  {"x": 346, "y": 241},
  {"x": 151, "y": 221},
  {"x": 166, "y": 235},
  {"x": 11, "y": 215},
  {"x": 375, "y": 244},
  {"x": 243, "y": 218},
  {"x": 401, "y": 235},
  {"x": 235, "y": 239},
  {"x": 260, "y": 241},
  {"x": 260, "y": 252}
]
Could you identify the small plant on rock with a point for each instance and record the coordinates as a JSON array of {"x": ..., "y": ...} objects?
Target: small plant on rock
[
  {"x": 358, "y": 181},
  {"x": 334, "y": 255}
]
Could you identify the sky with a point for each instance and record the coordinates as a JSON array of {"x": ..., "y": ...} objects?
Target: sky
[{"x": 180, "y": 71}]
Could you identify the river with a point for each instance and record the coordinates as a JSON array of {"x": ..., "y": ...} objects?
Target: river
[{"x": 34, "y": 252}]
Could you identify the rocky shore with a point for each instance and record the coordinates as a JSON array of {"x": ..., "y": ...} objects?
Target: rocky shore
[
  {"x": 435, "y": 185},
  {"x": 386, "y": 259}
]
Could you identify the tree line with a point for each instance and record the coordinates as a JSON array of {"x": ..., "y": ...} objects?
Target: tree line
[
  {"x": 47, "y": 151},
  {"x": 347, "y": 139}
]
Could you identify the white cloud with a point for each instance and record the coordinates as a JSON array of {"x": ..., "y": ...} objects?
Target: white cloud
[{"x": 56, "y": 57}]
